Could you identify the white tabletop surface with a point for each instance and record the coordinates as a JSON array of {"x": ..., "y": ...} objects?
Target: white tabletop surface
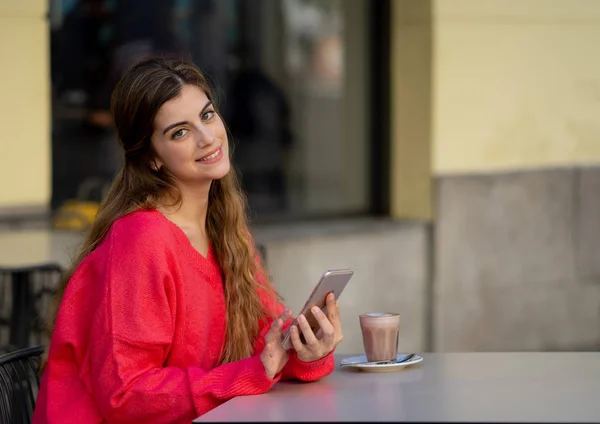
[
  {"x": 464, "y": 387},
  {"x": 34, "y": 247}
]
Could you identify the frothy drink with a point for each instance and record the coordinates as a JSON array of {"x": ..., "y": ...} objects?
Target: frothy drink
[{"x": 380, "y": 335}]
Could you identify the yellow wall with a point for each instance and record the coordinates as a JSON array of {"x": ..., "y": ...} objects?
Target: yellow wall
[
  {"x": 25, "y": 177},
  {"x": 516, "y": 84},
  {"x": 410, "y": 109}
]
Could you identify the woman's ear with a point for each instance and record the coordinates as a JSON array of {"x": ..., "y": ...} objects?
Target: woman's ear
[{"x": 156, "y": 165}]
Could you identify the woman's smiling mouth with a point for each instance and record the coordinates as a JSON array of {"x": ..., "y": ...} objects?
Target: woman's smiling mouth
[{"x": 212, "y": 157}]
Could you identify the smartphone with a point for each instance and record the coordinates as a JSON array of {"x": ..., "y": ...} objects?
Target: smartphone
[{"x": 332, "y": 281}]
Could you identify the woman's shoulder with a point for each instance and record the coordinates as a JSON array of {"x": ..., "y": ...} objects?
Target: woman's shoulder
[
  {"x": 144, "y": 227},
  {"x": 141, "y": 221},
  {"x": 142, "y": 237}
]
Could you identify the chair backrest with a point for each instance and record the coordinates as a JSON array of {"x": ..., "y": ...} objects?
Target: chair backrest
[
  {"x": 32, "y": 304},
  {"x": 19, "y": 385},
  {"x": 45, "y": 281}
]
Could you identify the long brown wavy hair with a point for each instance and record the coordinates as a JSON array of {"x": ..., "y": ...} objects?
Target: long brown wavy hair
[{"x": 134, "y": 105}]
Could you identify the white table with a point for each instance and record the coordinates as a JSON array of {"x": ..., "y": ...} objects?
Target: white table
[{"x": 445, "y": 387}]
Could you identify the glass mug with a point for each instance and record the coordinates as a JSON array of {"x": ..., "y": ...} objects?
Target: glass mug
[{"x": 380, "y": 332}]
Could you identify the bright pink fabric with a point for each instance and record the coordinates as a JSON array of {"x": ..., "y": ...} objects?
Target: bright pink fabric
[{"x": 139, "y": 333}]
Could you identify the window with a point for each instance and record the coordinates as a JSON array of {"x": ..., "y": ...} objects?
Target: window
[{"x": 293, "y": 79}]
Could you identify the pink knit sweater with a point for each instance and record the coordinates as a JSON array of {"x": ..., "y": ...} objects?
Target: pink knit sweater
[{"x": 139, "y": 333}]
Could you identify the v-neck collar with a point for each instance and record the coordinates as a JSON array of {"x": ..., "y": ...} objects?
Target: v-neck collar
[{"x": 186, "y": 243}]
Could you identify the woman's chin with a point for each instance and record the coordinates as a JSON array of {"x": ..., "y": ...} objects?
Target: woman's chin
[
  {"x": 222, "y": 170},
  {"x": 205, "y": 175},
  {"x": 217, "y": 172}
]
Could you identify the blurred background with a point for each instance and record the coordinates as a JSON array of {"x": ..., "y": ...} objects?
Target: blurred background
[{"x": 445, "y": 150}]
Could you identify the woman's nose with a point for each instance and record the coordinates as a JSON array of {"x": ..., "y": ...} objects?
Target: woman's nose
[{"x": 205, "y": 136}]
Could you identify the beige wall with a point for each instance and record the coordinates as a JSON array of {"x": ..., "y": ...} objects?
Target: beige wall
[
  {"x": 483, "y": 86},
  {"x": 410, "y": 74},
  {"x": 516, "y": 84},
  {"x": 25, "y": 177}
]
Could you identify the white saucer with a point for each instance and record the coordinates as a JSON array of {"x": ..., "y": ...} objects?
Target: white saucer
[{"x": 360, "y": 362}]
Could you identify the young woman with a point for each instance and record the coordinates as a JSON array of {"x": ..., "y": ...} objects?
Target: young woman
[{"x": 167, "y": 312}]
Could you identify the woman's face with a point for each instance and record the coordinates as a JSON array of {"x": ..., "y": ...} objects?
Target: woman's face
[{"x": 189, "y": 138}]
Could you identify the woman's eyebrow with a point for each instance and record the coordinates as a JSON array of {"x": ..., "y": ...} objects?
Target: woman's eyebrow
[{"x": 176, "y": 124}]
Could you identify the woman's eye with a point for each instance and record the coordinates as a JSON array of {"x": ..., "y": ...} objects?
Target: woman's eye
[
  {"x": 179, "y": 133},
  {"x": 208, "y": 115}
]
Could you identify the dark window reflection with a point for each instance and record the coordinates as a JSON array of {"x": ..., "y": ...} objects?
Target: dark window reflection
[{"x": 290, "y": 86}]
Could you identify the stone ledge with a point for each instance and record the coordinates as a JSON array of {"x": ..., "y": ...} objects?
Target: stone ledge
[
  {"x": 25, "y": 216},
  {"x": 289, "y": 231}
]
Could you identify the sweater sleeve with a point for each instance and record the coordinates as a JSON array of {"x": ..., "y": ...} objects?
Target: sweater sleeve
[
  {"x": 132, "y": 333},
  {"x": 295, "y": 369}
]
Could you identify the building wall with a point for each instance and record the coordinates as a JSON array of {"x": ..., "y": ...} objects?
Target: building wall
[
  {"x": 515, "y": 124},
  {"x": 516, "y": 261},
  {"x": 493, "y": 141},
  {"x": 411, "y": 61},
  {"x": 24, "y": 110},
  {"x": 516, "y": 84},
  {"x": 391, "y": 272}
]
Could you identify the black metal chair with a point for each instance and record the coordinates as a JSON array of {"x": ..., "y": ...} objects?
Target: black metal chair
[
  {"x": 19, "y": 385},
  {"x": 27, "y": 293}
]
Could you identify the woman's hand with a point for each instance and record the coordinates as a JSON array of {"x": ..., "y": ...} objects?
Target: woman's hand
[
  {"x": 329, "y": 335},
  {"x": 273, "y": 356}
]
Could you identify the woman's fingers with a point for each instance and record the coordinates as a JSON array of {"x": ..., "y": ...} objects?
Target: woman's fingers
[
  {"x": 332, "y": 309},
  {"x": 328, "y": 336},
  {"x": 299, "y": 347},
  {"x": 274, "y": 331},
  {"x": 326, "y": 326},
  {"x": 333, "y": 314},
  {"x": 287, "y": 314},
  {"x": 309, "y": 336}
]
